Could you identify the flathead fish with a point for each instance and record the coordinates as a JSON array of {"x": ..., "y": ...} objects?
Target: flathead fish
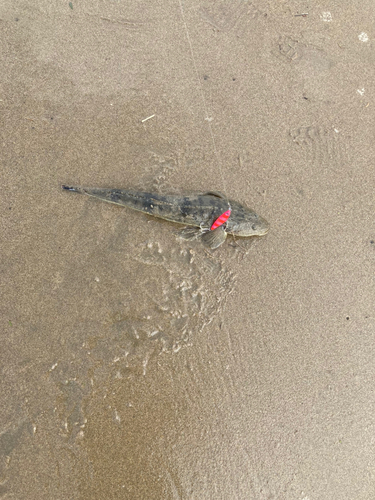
[{"x": 200, "y": 212}]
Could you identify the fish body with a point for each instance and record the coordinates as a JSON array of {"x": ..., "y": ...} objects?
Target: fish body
[{"x": 196, "y": 210}]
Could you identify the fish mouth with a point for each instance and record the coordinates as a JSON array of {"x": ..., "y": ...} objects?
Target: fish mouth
[
  {"x": 265, "y": 227},
  {"x": 265, "y": 231}
]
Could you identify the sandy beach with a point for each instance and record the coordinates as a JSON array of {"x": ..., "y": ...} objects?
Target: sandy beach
[{"x": 137, "y": 365}]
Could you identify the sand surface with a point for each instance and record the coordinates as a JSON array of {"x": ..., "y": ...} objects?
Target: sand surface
[{"x": 135, "y": 365}]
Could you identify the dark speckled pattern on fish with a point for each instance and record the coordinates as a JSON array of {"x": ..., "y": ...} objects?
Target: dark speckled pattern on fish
[{"x": 193, "y": 210}]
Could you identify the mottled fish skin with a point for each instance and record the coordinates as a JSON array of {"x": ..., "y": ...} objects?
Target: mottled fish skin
[{"x": 192, "y": 210}]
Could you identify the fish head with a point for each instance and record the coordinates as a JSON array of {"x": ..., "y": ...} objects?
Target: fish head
[{"x": 251, "y": 224}]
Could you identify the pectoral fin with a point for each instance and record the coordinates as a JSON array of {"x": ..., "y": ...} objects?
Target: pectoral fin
[
  {"x": 215, "y": 238},
  {"x": 189, "y": 233}
]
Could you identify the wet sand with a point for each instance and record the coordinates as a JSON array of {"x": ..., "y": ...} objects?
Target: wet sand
[{"x": 136, "y": 365}]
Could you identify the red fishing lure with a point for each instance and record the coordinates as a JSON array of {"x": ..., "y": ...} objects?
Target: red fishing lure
[{"x": 221, "y": 219}]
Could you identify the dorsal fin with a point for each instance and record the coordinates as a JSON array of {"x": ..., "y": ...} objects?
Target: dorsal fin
[{"x": 215, "y": 193}]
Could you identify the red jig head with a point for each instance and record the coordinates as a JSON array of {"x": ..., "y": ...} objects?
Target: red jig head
[{"x": 221, "y": 219}]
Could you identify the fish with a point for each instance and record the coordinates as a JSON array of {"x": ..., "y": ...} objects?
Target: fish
[{"x": 208, "y": 216}]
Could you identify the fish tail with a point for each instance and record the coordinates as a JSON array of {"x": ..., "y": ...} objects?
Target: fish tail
[{"x": 73, "y": 188}]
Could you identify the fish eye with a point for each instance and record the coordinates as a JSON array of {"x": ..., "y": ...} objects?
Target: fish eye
[{"x": 253, "y": 227}]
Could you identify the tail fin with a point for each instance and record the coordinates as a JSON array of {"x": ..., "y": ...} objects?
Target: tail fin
[{"x": 71, "y": 188}]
